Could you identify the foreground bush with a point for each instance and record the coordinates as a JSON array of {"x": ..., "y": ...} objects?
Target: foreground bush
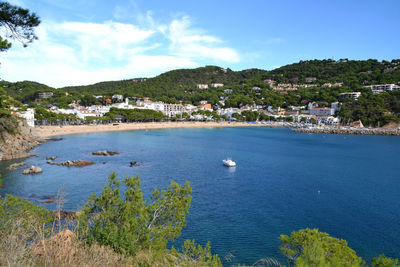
[{"x": 131, "y": 224}]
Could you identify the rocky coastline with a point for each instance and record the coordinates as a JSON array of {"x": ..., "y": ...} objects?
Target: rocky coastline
[
  {"x": 17, "y": 145},
  {"x": 354, "y": 131}
]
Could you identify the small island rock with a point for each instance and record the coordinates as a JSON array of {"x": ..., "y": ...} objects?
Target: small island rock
[
  {"x": 105, "y": 153},
  {"x": 32, "y": 170},
  {"x": 70, "y": 163}
]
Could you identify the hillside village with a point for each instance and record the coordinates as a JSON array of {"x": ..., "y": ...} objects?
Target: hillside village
[
  {"x": 310, "y": 113},
  {"x": 323, "y": 92}
]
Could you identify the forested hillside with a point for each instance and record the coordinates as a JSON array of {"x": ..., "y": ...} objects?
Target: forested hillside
[{"x": 297, "y": 84}]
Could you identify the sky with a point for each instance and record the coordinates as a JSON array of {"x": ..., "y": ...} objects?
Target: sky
[{"x": 87, "y": 41}]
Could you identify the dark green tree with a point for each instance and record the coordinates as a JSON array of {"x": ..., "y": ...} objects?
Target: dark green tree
[
  {"x": 309, "y": 247},
  {"x": 18, "y": 24},
  {"x": 130, "y": 224},
  {"x": 383, "y": 261}
]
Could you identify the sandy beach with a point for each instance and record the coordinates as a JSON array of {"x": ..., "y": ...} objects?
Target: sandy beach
[{"x": 51, "y": 131}]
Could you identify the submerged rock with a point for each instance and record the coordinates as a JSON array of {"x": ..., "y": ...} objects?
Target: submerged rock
[
  {"x": 50, "y": 200},
  {"x": 105, "y": 153},
  {"x": 70, "y": 163},
  {"x": 32, "y": 170},
  {"x": 15, "y": 166},
  {"x": 51, "y": 158}
]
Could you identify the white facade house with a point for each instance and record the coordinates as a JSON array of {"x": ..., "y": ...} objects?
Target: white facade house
[
  {"x": 28, "y": 115},
  {"x": 173, "y": 109},
  {"x": 202, "y": 86},
  {"x": 190, "y": 108},
  {"x": 228, "y": 112},
  {"x": 157, "y": 106},
  {"x": 379, "y": 88},
  {"x": 354, "y": 95},
  {"x": 322, "y": 111},
  {"x": 118, "y": 97},
  {"x": 335, "y": 106},
  {"x": 217, "y": 85},
  {"x": 330, "y": 120}
]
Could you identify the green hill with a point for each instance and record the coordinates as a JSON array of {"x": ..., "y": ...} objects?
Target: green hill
[{"x": 181, "y": 85}]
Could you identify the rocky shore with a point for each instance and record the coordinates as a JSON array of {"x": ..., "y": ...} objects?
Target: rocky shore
[
  {"x": 342, "y": 130},
  {"x": 18, "y": 145}
]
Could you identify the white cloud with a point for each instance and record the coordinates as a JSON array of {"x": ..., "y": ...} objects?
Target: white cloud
[
  {"x": 188, "y": 42},
  {"x": 78, "y": 53}
]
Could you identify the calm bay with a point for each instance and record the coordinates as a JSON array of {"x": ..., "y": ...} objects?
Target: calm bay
[{"x": 345, "y": 185}]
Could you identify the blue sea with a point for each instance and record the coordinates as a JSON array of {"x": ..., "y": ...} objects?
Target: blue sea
[{"x": 347, "y": 186}]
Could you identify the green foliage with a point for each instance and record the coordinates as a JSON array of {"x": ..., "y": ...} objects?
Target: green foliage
[
  {"x": 200, "y": 254},
  {"x": 18, "y": 24},
  {"x": 20, "y": 213},
  {"x": 41, "y": 114},
  {"x": 131, "y": 224},
  {"x": 383, "y": 261},
  {"x": 238, "y": 101},
  {"x": 250, "y": 115},
  {"x": 88, "y": 100},
  {"x": 143, "y": 115},
  {"x": 373, "y": 109},
  {"x": 308, "y": 247}
]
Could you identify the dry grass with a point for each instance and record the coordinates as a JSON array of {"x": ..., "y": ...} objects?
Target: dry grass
[{"x": 64, "y": 249}]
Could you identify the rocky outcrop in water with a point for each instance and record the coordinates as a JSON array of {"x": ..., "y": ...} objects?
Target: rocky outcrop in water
[
  {"x": 51, "y": 158},
  {"x": 15, "y": 166},
  {"x": 72, "y": 163},
  {"x": 17, "y": 145},
  {"x": 134, "y": 163},
  {"x": 33, "y": 170},
  {"x": 105, "y": 153}
]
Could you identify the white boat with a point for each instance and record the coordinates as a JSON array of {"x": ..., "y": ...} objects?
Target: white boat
[{"x": 229, "y": 163}]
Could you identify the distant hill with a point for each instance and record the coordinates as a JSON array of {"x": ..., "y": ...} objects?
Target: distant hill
[
  {"x": 177, "y": 83},
  {"x": 351, "y": 72},
  {"x": 172, "y": 84}
]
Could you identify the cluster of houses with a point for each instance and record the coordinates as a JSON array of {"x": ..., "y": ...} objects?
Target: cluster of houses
[
  {"x": 379, "y": 88},
  {"x": 311, "y": 112}
]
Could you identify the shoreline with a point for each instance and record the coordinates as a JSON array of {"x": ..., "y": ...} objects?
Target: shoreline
[{"x": 52, "y": 131}]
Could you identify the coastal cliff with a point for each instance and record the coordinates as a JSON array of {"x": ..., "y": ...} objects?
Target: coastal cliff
[{"x": 16, "y": 143}]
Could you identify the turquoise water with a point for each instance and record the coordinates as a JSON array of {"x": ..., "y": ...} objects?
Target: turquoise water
[{"x": 348, "y": 186}]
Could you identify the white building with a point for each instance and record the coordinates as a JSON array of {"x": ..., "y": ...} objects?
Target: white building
[
  {"x": 44, "y": 95},
  {"x": 190, "y": 108},
  {"x": 335, "y": 106},
  {"x": 354, "y": 95},
  {"x": 378, "y": 88},
  {"x": 322, "y": 111},
  {"x": 28, "y": 115},
  {"x": 173, "y": 109},
  {"x": 329, "y": 120},
  {"x": 157, "y": 106},
  {"x": 312, "y": 105},
  {"x": 216, "y": 85},
  {"x": 118, "y": 97},
  {"x": 202, "y": 86}
]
